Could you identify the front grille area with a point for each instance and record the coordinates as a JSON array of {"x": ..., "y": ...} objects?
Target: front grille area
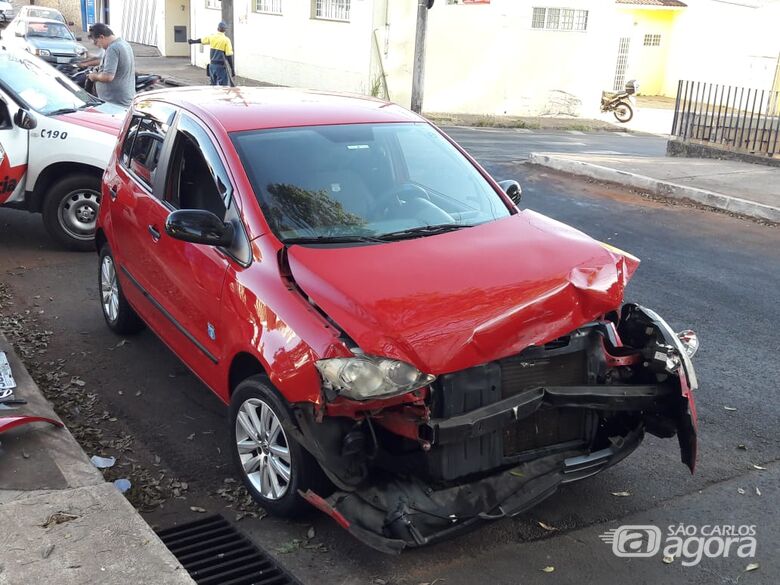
[
  {"x": 563, "y": 363},
  {"x": 520, "y": 373},
  {"x": 547, "y": 427}
]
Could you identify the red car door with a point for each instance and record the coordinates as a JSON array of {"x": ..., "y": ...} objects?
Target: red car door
[
  {"x": 135, "y": 190},
  {"x": 189, "y": 277}
]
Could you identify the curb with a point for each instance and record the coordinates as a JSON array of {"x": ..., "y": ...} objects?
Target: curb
[
  {"x": 45, "y": 474},
  {"x": 657, "y": 186}
]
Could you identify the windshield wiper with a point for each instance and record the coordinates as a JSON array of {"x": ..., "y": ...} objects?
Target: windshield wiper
[
  {"x": 424, "y": 230},
  {"x": 61, "y": 111},
  {"x": 331, "y": 240}
]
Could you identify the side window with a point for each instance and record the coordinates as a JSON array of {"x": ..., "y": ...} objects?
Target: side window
[
  {"x": 5, "y": 116},
  {"x": 143, "y": 143},
  {"x": 145, "y": 153},
  {"x": 127, "y": 145},
  {"x": 197, "y": 179}
]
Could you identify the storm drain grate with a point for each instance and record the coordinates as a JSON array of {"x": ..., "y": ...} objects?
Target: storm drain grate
[{"x": 214, "y": 553}]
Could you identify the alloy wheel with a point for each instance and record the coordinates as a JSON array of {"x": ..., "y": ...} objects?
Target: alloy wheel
[
  {"x": 109, "y": 289},
  {"x": 263, "y": 449}
]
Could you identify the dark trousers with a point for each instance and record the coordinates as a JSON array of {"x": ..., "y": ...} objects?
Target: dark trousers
[{"x": 218, "y": 74}]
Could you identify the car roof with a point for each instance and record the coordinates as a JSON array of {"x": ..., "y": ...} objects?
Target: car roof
[
  {"x": 31, "y": 8},
  {"x": 237, "y": 109},
  {"x": 38, "y": 19}
]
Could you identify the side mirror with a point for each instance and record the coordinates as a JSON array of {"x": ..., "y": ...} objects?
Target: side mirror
[
  {"x": 25, "y": 120},
  {"x": 199, "y": 227},
  {"x": 71, "y": 23},
  {"x": 512, "y": 189},
  {"x": 18, "y": 34},
  {"x": 78, "y": 38}
]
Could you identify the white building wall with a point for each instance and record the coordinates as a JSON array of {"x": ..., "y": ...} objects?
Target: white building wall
[
  {"x": 486, "y": 58},
  {"x": 733, "y": 43},
  {"x": 295, "y": 49}
]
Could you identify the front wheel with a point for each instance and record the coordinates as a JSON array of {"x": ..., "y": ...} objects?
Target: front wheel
[
  {"x": 70, "y": 211},
  {"x": 272, "y": 465},
  {"x": 623, "y": 112}
]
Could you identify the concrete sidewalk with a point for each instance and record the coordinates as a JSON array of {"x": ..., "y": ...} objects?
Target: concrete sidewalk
[
  {"x": 177, "y": 71},
  {"x": 737, "y": 187},
  {"x": 59, "y": 520}
]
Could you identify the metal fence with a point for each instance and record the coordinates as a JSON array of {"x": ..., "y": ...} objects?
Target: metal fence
[{"x": 726, "y": 116}]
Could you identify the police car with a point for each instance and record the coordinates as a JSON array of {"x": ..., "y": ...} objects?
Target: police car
[{"x": 55, "y": 143}]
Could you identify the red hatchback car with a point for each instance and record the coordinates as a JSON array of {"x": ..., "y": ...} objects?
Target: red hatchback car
[{"x": 335, "y": 269}]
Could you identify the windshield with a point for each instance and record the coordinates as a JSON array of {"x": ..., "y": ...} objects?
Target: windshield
[
  {"x": 40, "y": 86},
  {"x": 364, "y": 182},
  {"x": 49, "y": 30}
]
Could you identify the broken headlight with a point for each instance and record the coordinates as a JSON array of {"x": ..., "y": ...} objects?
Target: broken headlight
[
  {"x": 366, "y": 377},
  {"x": 690, "y": 341}
]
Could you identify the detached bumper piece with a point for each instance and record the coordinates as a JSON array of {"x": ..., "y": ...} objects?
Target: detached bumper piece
[
  {"x": 501, "y": 437},
  {"x": 394, "y": 513}
]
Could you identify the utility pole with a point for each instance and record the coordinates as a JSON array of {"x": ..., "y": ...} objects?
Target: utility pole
[
  {"x": 418, "y": 71},
  {"x": 227, "y": 17}
]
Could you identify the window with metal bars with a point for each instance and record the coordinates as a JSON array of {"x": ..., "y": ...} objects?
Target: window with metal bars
[
  {"x": 215, "y": 4},
  {"x": 652, "y": 40},
  {"x": 268, "y": 6},
  {"x": 559, "y": 19},
  {"x": 622, "y": 64},
  {"x": 332, "y": 9}
]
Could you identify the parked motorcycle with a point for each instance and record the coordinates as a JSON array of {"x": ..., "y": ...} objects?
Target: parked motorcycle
[
  {"x": 618, "y": 102},
  {"x": 143, "y": 81}
]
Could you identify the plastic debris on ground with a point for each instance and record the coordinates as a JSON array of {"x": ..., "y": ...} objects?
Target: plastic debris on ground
[
  {"x": 122, "y": 484},
  {"x": 7, "y": 382},
  {"x": 102, "y": 462}
]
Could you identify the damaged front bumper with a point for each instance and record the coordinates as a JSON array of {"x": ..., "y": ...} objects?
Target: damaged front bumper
[{"x": 496, "y": 439}]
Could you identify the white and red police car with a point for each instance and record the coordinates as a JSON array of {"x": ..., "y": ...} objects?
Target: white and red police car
[{"x": 55, "y": 143}]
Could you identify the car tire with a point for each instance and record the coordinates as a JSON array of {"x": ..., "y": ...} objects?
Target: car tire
[
  {"x": 119, "y": 315},
  {"x": 271, "y": 454},
  {"x": 70, "y": 211}
]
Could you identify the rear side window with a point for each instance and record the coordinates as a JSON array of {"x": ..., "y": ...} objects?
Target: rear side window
[
  {"x": 143, "y": 143},
  {"x": 145, "y": 153},
  {"x": 127, "y": 146}
]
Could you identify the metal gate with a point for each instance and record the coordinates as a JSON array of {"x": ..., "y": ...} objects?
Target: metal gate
[
  {"x": 139, "y": 21},
  {"x": 742, "y": 119},
  {"x": 622, "y": 64}
]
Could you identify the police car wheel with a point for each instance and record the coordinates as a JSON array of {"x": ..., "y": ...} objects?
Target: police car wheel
[{"x": 70, "y": 211}]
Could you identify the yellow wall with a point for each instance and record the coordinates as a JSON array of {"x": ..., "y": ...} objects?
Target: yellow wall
[{"x": 649, "y": 64}]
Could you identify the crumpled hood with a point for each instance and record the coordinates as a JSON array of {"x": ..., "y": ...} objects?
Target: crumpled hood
[{"x": 451, "y": 301}]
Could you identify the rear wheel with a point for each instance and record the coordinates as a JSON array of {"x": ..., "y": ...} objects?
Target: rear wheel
[
  {"x": 119, "y": 315},
  {"x": 71, "y": 209},
  {"x": 623, "y": 112},
  {"x": 272, "y": 465}
]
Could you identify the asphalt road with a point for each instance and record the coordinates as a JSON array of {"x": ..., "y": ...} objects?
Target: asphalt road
[
  {"x": 508, "y": 145},
  {"x": 716, "y": 274}
]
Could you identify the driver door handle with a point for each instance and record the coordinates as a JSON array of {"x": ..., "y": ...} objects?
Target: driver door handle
[
  {"x": 114, "y": 191},
  {"x": 155, "y": 232}
]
